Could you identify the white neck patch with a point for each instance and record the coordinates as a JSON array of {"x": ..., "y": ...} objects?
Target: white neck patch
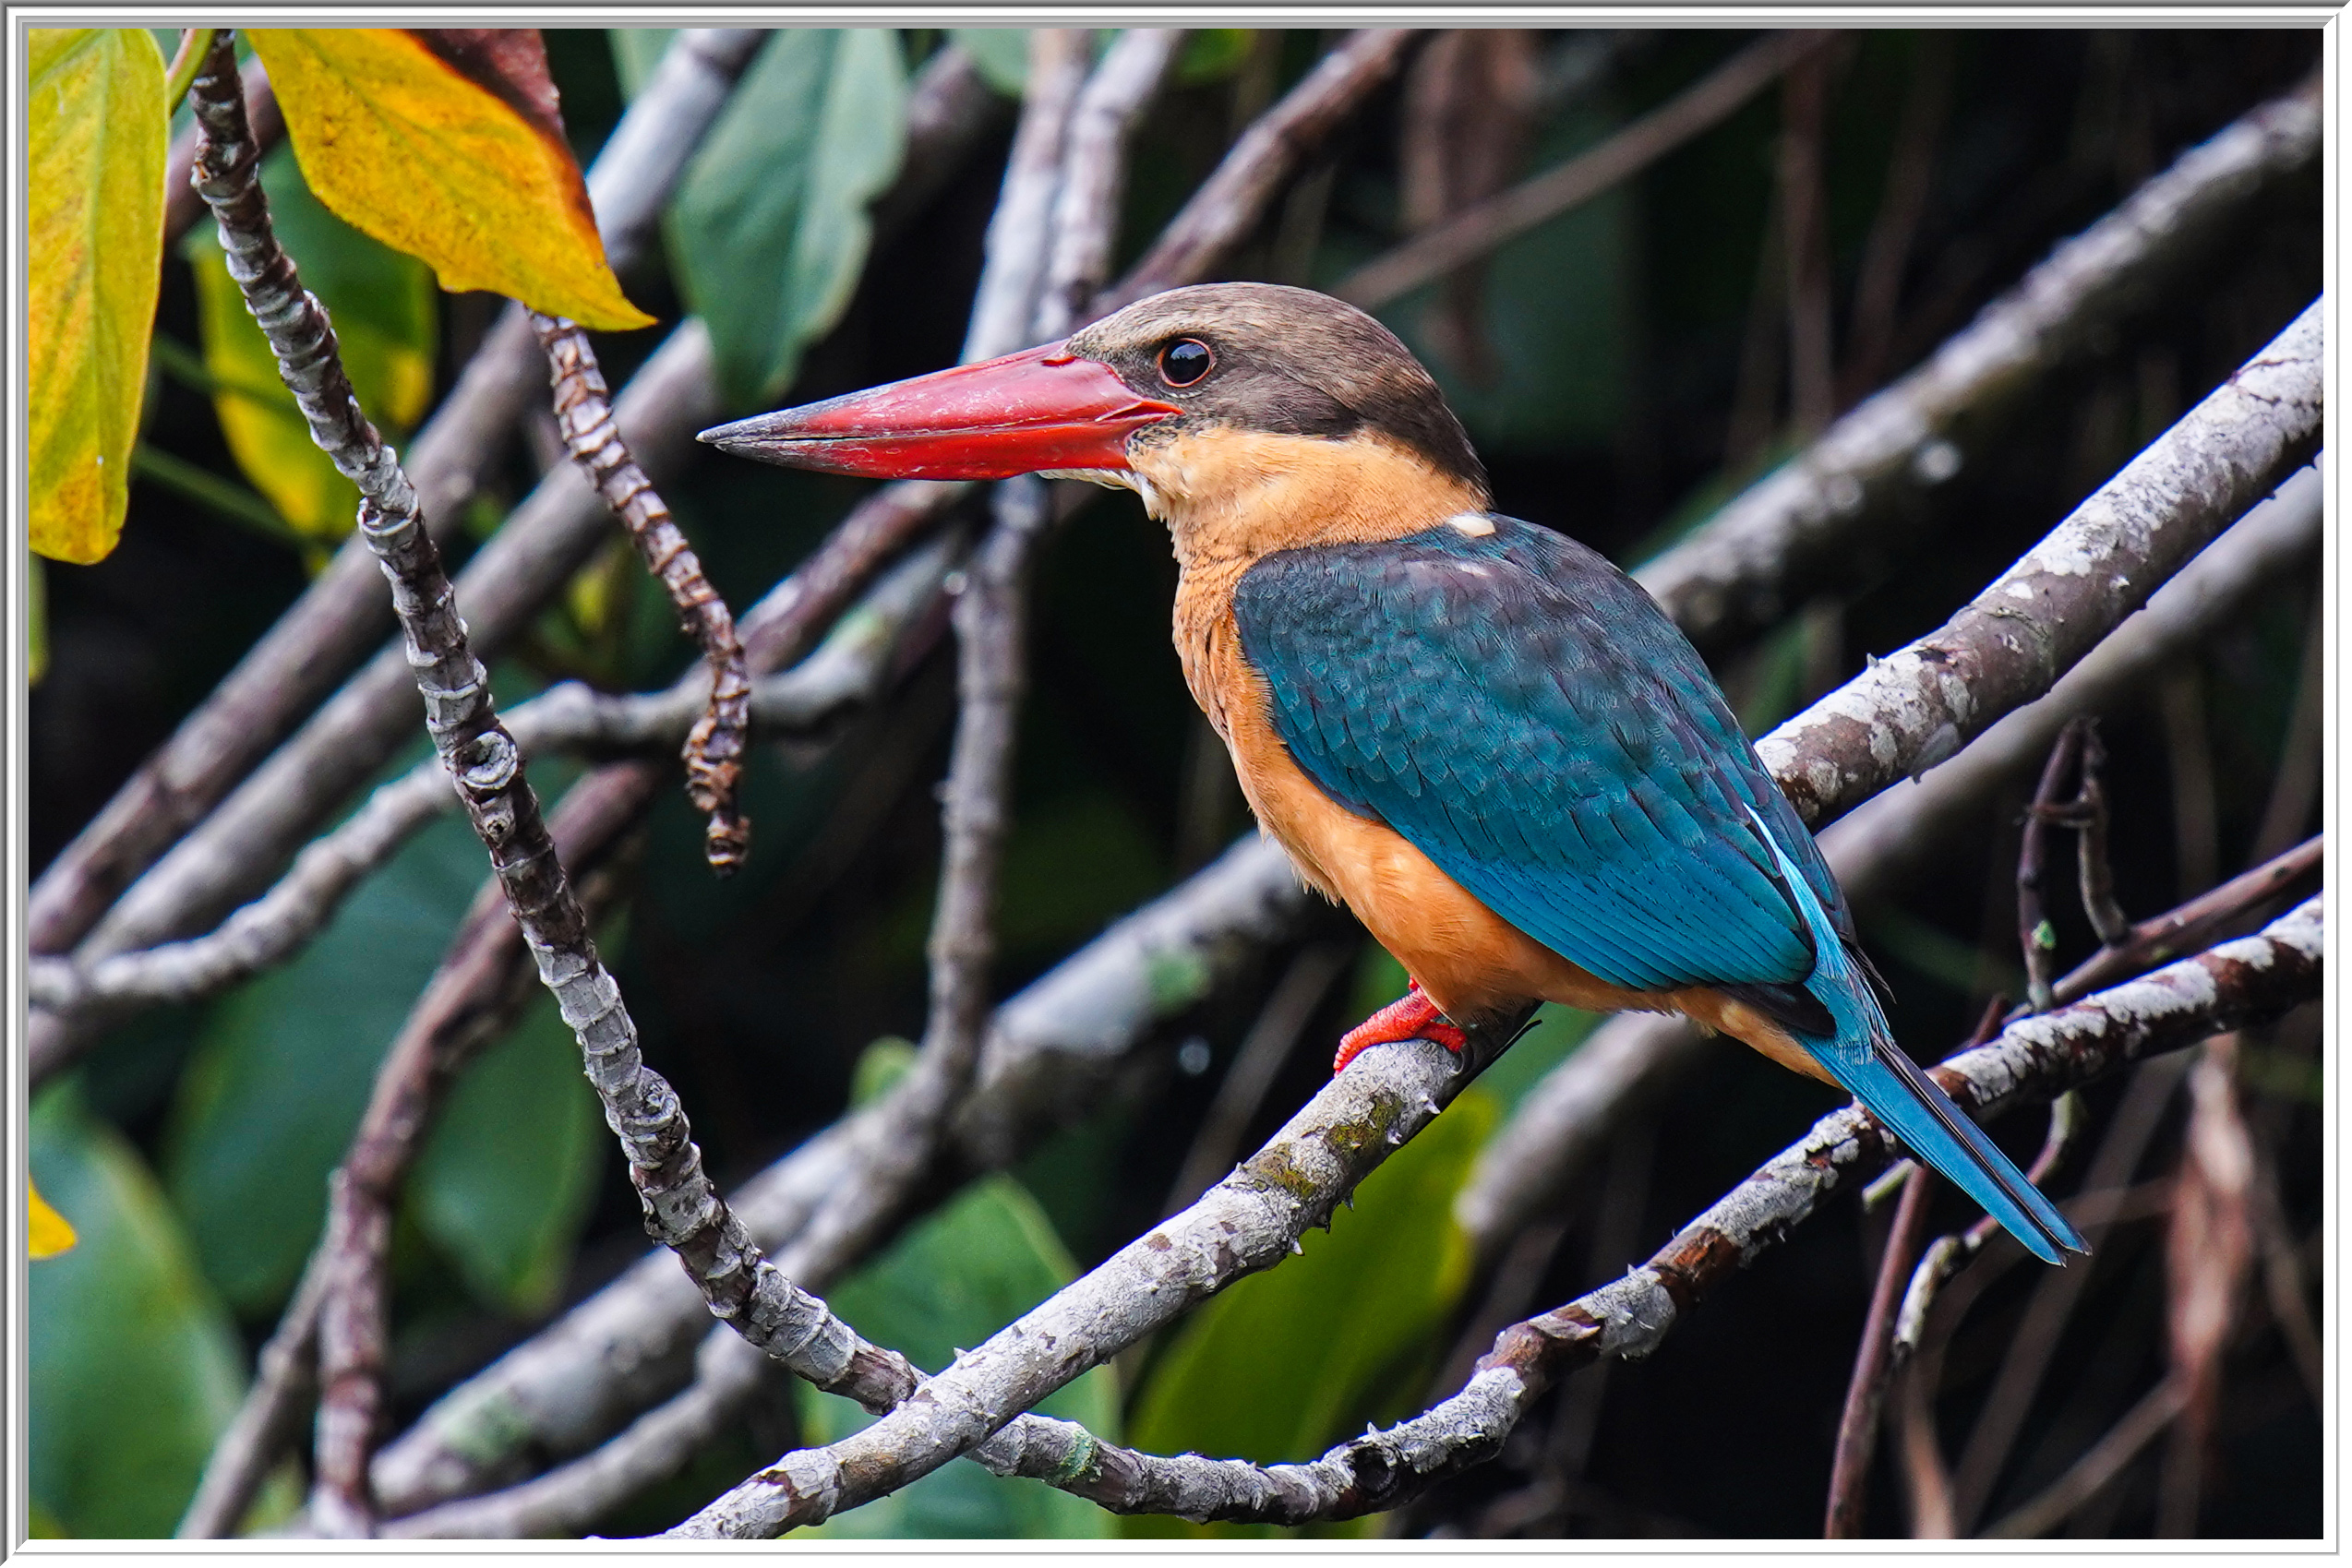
[{"x": 1471, "y": 525}]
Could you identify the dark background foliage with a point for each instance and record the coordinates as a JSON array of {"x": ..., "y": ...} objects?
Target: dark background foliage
[{"x": 1623, "y": 331}]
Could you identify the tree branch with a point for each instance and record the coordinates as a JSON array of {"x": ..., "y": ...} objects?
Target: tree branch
[
  {"x": 1049, "y": 1053},
  {"x": 1738, "y": 574},
  {"x": 672, "y": 396},
  {"x": 341, "y": 614},
  {"x": 682, "y": 1208},
  {"x": 1234, "y": 199},
  {"x": 2242, "y": 982},
  {"x": 1471, "y": 233},
  {"x": 715, "y": 746},
  {"x": 1920, "y": 705},
  {"x": 1562, "y": 1121}
]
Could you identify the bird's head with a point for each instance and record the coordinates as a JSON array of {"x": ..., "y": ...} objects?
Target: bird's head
[{"x": 1247, "y": 415}]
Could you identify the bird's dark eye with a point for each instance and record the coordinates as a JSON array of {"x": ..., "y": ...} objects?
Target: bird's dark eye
[{"x": 1184, "y": 362}]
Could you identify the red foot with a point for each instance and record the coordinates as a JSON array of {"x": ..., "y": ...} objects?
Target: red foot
[{"x": 1410, "y": 1017}]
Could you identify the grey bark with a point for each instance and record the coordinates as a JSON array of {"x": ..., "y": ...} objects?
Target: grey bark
[
  {"x": 1566, "y": 1118},
  {"x": 1746, "y": 567}
]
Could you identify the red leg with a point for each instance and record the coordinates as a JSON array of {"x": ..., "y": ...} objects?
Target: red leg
[{"x": 1410, "y": 1017}]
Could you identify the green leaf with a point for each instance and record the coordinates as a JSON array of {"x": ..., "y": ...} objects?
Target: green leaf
[
  {"x": 504, "y": 1182},
  {"x": 283, "y": 1066},
  {"x": 1286, "y": 1363},
  {"x": 948, "y": 1284},
  {"x": 1000, "y": 53},
  {"x": 385, "y": 309},
  {"x": 135, "y": 1367},
  {"x": 94, "y": 246},
  {"x": 770, "y": 232}
]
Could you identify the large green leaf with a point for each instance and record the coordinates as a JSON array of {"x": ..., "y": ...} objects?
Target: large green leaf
[
  {"x": 135, "y": 1367},
  {"x": 384, "y": 307},
  {"x": 770, "y": 231},
  {"x": 948, "y": 1284},
  {"x": 281, "y": 1069},
  {"x": 94, "y": 125},
  {"x": 505, "y": 1181},
  {"x": 1286, "y": 1363}
]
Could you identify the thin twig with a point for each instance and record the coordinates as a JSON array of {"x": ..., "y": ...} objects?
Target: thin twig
[
  {"x": 2296, "y": 783},
  {"x": 1805, "y": 94},
  {"x": 715, "y": 746},
  {"x": 2100, "y": 1465},
  {"x": 285, "y": 1376},
  {"x": 1234, "y": 199},
  {"x": 1875, "y": 1361},
  {"x": 1217, "y": 1142},
  {"x": 341, "y": 616},
  {"x": 2036, "y": 935},
  {"x": 2035, "y": 1341},
  {"x": 1094, "y": 175},
  {"x": 991, "y": 618},
  {"x": 1477, "y": 230},
  {"x": 2193, "y": 924},
  {"x": 1887, "y": 253},
  {"x": 2093, "y": 873},
  {"x": 1866, "y": 1391}
]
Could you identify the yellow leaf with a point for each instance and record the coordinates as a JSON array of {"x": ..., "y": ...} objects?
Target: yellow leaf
[
  {"x": 48, "y": 1234},
  {"x": 404, "y": 146},
  {"x": 94, "y": 230}
]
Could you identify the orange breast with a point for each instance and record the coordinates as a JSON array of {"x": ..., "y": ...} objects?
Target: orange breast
[{"x": 1474, "y": 963}]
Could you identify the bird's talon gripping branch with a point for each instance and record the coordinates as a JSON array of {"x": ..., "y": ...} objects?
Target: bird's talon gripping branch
[{"x": 1410, "y": 1017}]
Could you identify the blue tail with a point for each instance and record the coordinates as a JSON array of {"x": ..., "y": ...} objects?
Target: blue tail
[{"x": 1865, "y": 1061}]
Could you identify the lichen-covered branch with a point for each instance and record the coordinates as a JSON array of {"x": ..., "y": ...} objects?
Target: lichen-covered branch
[
  {"x": 542, "y": 542},
  {"x": 1070, "y": 121},
  {"x": 341, "y": 614},
  {"x": 1563, "y": 1120},
  {"x": 853, "y": 669},
  {"x": 715, "y": 746},
  {"x": 1250, "y": 1221},
  {"x": 2240, "y": 982},
  {"x": 1918, "y": 706},
  {"x": 1093, "y": 175},
  {"x": 1049, "y": 1055},
  {"x": 682, "y": 1208},
  {"x": 1742, "y": 571}
]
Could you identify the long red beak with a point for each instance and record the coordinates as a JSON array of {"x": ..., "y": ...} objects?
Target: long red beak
[{"x": 1039, "y": 410}]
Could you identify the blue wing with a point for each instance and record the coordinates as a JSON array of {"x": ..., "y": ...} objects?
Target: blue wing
[{"x": 1526, "y": 716}]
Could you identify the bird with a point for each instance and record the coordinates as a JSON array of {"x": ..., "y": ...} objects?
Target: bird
[{"x": 1487, "y": 741}]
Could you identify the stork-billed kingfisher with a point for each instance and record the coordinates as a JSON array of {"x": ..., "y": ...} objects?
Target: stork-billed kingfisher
[{"x": 1483, "y": 738}]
